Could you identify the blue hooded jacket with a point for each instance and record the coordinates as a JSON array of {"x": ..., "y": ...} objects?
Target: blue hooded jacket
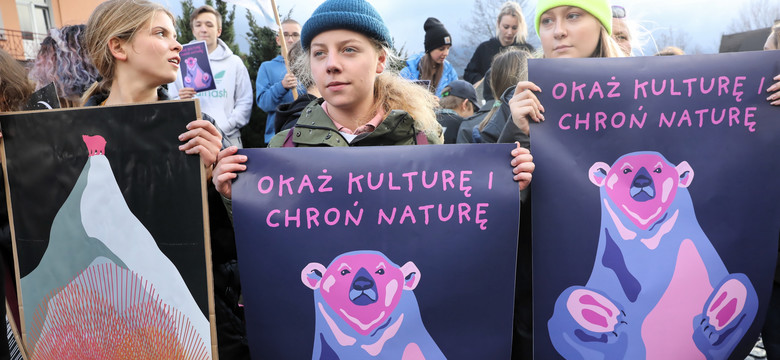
[
  {"x": 412, "y": 72},
  {"x": 269, "y": 92}
]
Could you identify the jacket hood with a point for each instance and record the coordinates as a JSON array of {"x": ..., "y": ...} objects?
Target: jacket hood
[
  {"x": 413, "y": 60},
  {"x": 288, "y": 114},
  {"x": 315, "y": 128},
  {"x": 98, "y": 98}
]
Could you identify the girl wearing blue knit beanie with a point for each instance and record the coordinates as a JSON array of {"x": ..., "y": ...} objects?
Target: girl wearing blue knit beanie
[{"x": 347, "y": 47}]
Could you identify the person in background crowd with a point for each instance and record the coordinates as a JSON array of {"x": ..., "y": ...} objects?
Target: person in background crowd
[
  {"x": 432, "y": 65},
  {"x": 773, "y": 40},
  {"x": 63, "y": 60},
  {"x": 458, "y": 101},
  {"x": 288, "y": 114},
  {"x": 15, "y": 88},
  {"x": 511, "y": 30},
  {"x": 466, "y": 126},
  {"x": 230, "y": 104},
  {"x": 670, "y": 51},
  {"x": 620, "y": 30},
  {"x": 347, "y": 46},
  {"x": 274, "y": 83},
  {"x": 508, "y": 69}
]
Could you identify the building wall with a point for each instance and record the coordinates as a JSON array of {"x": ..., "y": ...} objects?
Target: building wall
[
  {"x": 72, "y": 12},
  {"x": 10, "y": 16}
]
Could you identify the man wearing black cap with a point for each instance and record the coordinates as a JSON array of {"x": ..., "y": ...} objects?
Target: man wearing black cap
[{"x": 458, "y": 101}]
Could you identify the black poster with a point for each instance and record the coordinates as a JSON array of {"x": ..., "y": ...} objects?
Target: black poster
[{"x": 108, "y": 219}]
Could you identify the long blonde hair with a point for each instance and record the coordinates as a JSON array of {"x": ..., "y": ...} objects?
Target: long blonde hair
[
  {"x": 391, "y": 92},
  {"x": 14, "y": 86},
  {"x": 607, "y": 46},
  {"x": 508, "y": 68},
  {"x": 776, "y": 33},
  {"x": 114, "y": 19},
  {"x": 513, "y": 9}
]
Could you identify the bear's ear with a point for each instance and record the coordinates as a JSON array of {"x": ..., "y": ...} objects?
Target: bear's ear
[
  {"x": 686, "y": 174},
  {"x": 597, "y": 173},
  {"x": 411, "y": 275},
  {"x": 311, "y": 275}
]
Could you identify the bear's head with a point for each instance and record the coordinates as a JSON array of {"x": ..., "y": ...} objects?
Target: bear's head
[
  {"x": 642, "y": 184},
  {"x": 363, "y": 287},
  {"x": 191, "y": 62}
]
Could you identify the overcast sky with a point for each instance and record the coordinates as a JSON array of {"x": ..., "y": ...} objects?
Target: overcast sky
[{"x": 701, "y": 21}]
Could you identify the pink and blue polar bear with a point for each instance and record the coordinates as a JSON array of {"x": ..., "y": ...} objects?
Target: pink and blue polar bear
[
  {"x": 658, "y": 289},
  {"x": 196, "y": 78},
  {"x": 366, "y": 309}
]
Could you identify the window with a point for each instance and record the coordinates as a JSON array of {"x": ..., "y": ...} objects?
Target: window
[{"x": 34, "y": 22}]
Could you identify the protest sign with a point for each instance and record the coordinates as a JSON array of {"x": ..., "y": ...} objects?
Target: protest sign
[
  {"x": 195, "y": 67},
  {"x": 378, "y": 252},
  {"x": 108, "y": 221},
  {"x": 654, "y": 185},
  {"x": 45, "y": 98}
]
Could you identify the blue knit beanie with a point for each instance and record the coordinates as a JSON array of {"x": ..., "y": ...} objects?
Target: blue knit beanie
[{"x": 355, "y": 15}]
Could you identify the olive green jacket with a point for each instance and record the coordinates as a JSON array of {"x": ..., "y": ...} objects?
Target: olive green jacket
[{"x": 315, "y": 128}]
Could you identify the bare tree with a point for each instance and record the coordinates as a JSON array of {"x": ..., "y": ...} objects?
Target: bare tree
[
  {"x": 755, "y": 15},
  {"x": 672, "y": 37},
  {"x": 482, "y": 25}
]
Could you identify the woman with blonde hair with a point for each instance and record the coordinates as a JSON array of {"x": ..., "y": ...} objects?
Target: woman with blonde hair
[
  {"x": 773, "y": 40},
  {"x": 511, "y": 30},
  {"x": 568, "y": 29},
  {"x": 347, "y": 47},
  {"x": 133, "y": 45},
  {"x": 508, "y": 69}
]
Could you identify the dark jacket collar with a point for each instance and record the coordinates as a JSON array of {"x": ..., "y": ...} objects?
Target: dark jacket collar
[{"x": 98, "y": 98}]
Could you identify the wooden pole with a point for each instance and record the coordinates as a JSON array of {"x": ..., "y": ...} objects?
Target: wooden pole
[{"x": 284, "y": 45}]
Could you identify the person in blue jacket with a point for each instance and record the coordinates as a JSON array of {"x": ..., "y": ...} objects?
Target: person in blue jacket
[
  {"x": 432, "y": 65},
  {"x": 274, "y": 84}
]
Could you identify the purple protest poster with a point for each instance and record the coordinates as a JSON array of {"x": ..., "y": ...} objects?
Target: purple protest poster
[
  {"x": 379, "y": 252},
  {"x": 655, "y": 186},
  {"x": 195, "y": 67}
]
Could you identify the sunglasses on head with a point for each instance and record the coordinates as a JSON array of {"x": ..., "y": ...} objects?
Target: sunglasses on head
[{"x": 618, "y": 12}]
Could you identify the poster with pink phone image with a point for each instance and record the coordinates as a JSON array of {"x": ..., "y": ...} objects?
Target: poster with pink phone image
[{"x": 195, "y": 68}]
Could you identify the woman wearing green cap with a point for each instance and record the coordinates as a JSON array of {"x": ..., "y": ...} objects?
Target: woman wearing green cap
[{"x": 568, "y": 29}]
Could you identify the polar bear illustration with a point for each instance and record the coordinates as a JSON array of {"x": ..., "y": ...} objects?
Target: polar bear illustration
[
  {"x": 658, "y": 289},
  {"x": 366, "y": 309},
  {"x": 195, "y": 78}
]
